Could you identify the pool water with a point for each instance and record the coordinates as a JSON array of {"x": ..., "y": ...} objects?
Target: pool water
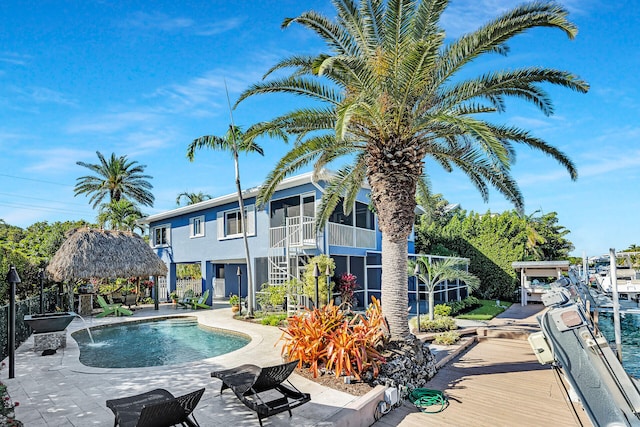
[
  {"x": 162, "y": 342},
  {"x": 630, "y": 338}
]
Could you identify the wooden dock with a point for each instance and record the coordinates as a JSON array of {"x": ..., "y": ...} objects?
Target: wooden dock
[{"x": 497, "y": 382}]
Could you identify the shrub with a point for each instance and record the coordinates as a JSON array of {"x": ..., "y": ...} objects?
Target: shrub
[
  {"x": 347, "y": 286},
  {"x": 442, "y": 310},
  {"x": 234, "y": 299},
  {"x": 467, "y": 304},
  {"x": 273, "y": 319},
  {"x": 323, "y": 262},
  {"x": 271, "y": 297},
  {"x": 325, "y": 337},
  {"x": 438, "y": 324},
  {"x": 446, "y": 338}
]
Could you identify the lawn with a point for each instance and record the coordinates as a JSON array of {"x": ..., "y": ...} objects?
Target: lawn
[{"x": 487, "y": 311}]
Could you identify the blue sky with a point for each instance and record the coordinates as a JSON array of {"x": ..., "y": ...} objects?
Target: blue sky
[{"x": 143, "y": 79}]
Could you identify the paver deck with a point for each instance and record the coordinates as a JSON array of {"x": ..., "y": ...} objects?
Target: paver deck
[{"x": 58, "y": 390}]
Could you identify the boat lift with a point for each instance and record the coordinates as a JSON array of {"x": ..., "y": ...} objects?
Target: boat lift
[{"x": 570, "y": 342}]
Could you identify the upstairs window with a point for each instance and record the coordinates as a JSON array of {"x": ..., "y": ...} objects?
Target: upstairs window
[
  {"x": 364, "y": 217},
  {"x": 338, "y": 216},
  {"x": 161, "y": 235},
  {"x": 230, "y": 225},
  {"x": 196, "y": 226}
]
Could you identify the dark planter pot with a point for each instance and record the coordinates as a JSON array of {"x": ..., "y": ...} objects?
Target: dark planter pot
[{"x": 49, "y": 322}]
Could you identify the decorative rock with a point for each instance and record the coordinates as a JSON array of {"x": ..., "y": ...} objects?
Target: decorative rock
[
  {"x": 49, "y": 341},
  {"x": 409, "y": 363}
]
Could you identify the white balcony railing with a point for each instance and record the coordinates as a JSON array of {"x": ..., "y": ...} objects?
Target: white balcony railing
[{"x": 349, "y": 236}]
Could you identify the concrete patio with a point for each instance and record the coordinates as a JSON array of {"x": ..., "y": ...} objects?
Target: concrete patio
[{"x": 58, "y": 390}]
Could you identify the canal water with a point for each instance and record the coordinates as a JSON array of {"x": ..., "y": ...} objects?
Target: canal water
[{"x": 630, "y": 328}]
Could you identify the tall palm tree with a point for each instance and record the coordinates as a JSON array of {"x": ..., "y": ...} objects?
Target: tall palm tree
[
  {"x": 116, "y": 178},
  {"x": 391, "y": 92},
  {"x": 119, "y": 215},
  {"x": 432, "y": 273},
  {"x": 192, "y": 198},
  {"x": 234, "y": 141},
  {"x": 532, "y": 249}
]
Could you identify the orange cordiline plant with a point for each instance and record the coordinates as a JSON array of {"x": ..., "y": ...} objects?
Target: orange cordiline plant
[
  {"x": 325, "y": 337},
  {"x": 305, "y": 336}
]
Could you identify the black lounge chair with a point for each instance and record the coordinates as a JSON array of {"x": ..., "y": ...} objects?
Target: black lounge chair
[
  {"x": 256, "y": 387},
  {"x": 156, "y": 408}
]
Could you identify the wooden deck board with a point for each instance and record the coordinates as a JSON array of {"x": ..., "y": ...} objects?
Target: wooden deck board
[{"x": 498, "y": 382}]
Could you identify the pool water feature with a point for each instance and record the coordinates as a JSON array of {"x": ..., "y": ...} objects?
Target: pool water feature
[
  {"x": 155, "y": 342},
  {"x": 630, "y": 337}
]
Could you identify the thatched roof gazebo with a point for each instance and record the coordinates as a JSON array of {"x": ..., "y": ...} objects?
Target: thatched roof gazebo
[{"x": 88, "y": 253}]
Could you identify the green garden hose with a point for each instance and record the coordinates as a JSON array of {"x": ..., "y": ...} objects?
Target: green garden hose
[{"x": 428, "y": 401}]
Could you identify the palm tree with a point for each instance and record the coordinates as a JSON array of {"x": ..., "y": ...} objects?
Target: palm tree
[
  {"x": 391, "y": 92},
  {"x": 117, "y": 178},
  {"x": 234, "y": 141},
  {"x": 119, "y": 215},
  {"x": 192, "y": 198},
  {"x": 432, "y": 273},
  {"x": 532, "y": 249}
]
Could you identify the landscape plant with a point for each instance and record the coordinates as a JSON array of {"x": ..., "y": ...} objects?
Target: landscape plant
[
  {"x": 391, "y": 90},
  {"x": 347, "y": 286},
  {"x": 432, "y": 272},
  {"x": 323, "y": 261},
  {"x": 325, "y": 338},
  {"x": 446, "y": 338}
]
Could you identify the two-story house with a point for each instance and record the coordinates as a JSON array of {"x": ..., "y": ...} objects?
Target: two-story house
[{"x": 281, "y": 236}]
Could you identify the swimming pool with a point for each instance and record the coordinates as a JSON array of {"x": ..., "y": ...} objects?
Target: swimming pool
[{"x": 154, "y": 342}]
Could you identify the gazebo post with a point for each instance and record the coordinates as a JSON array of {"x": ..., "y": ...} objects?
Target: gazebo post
[{"x": 155, "y": 293}]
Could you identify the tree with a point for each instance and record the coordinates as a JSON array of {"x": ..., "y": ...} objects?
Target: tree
[
  {"x": 234, "y": 141},
  {"x": 192, "y": 198},
  {"x": 532, "y": 249},
  {"x": 119, "y": 215},
  {"x": 391, "y": 92},
  {"x": 432, "y": 273},
  {"x": 116, "y": 178}
]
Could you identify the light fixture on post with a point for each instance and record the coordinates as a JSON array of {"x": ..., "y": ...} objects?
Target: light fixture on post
[
  {"x": 239, "y": 274},
  {"x": 327, "y": 272},
  {"x": 316, "y": 276},
  {"x": 13, "y": 279},
  {"x": 416, "y": 272}
]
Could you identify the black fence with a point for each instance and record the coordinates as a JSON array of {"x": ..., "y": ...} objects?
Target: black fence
[{"x": 51, "y": 300}]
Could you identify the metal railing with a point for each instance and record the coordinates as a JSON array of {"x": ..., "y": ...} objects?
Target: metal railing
[{"x": 28, "y": 306}]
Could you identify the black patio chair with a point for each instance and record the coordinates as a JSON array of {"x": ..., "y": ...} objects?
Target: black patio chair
[
  {"x": 155, "y": 408},
  {"x": 263, "y": 390}
]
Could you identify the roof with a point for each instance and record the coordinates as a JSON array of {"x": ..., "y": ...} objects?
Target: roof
[
  {"x": 540, "y": 264},
  {"x": 88, "y": 253},
  {"x": 293, "y": 181}
]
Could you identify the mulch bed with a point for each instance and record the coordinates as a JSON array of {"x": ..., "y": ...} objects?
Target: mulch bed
[{"x": 355, "y": 388}]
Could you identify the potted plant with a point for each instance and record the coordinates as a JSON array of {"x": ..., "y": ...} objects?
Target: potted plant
[
  {"x": 234, "y": 300},
  {"x": 174, "y": 297}
]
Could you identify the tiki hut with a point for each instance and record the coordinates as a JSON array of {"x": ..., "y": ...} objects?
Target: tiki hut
[{"x": 88, "y": 253}]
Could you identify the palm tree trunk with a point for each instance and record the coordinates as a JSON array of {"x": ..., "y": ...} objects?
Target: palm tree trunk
[
  {"x": 393, "y": 189},
  {"x": 395, "y": 297},
  {"x": 432, "y": 292},
  {"x": 244, "y": 234}
]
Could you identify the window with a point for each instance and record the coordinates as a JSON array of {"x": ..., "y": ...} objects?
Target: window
[
  {"x": 161, "y": 235},
  {"x": 338, "y": 216},
  {"x": 230, "y": 226},
  {"x": 232, "y": 223},
  {"x": 196, "y": 226},
  {"x": 364, "y": 217}
]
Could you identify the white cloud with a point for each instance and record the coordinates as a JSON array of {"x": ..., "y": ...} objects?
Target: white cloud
[
  {"x": 14, "y": 58},
  {"x": 109, "y": 123},
  {"x": 157, "y": 21},
  {"x": 219, "y": 27},
  {"x": 55, "y": 159}
]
